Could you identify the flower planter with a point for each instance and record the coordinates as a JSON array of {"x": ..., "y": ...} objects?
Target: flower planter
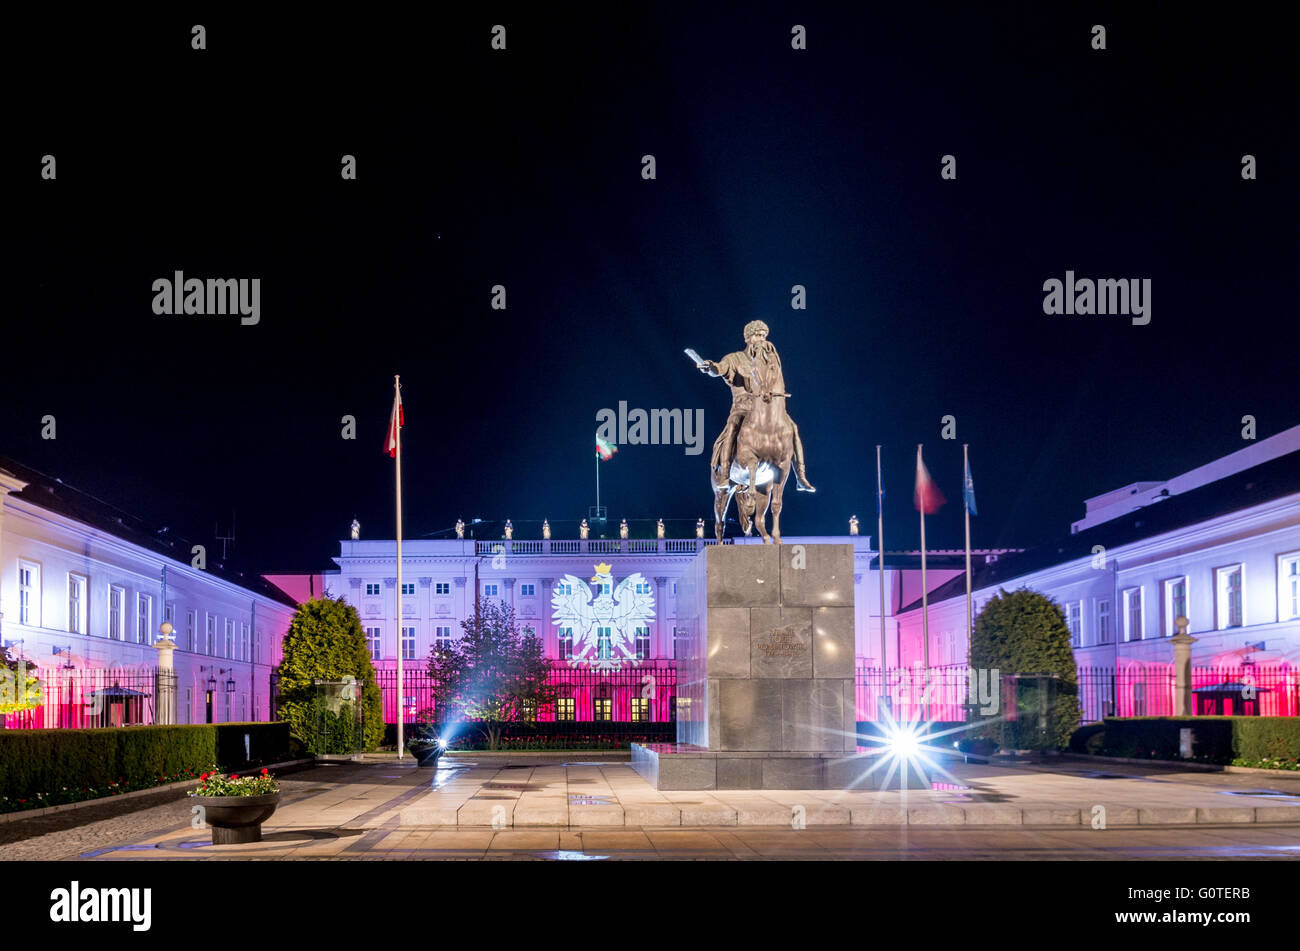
[
  {"x": 426, "y": 756},
  {"x": 236, "y": 819}
]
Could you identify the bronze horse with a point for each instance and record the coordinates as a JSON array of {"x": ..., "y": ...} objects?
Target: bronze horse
[{"x": 761, "y": 462}]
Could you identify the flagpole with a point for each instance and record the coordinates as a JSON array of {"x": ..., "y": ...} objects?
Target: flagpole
[
  {"x": 401, "y": 700},
  {"x": 598, "y": 485},
  {"x": 880, "y": 561},
  {"x": 965, "y": 499},
  {"x": 925, "y": 609}
]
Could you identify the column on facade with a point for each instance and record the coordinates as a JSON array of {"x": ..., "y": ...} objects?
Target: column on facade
[
  {"x": 544, "y": 619},
  {"x": 424, "y": 609},
  {"x": 510, "y": 587},
  {"x": 461, "y": 600},
  {"x": 392, "y": 608},
  {"x": 663, "y": 647}
]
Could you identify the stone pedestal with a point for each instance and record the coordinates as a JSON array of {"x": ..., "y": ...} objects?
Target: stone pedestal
[{"x": 766, "y": 674}]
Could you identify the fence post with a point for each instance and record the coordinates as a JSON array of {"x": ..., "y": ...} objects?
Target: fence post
[
  {"x": 1182, "y": 642},
  {"x": 165, "y": 681}
]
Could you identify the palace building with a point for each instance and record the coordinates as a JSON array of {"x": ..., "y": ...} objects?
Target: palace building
[{"x": 84, "y": 591}]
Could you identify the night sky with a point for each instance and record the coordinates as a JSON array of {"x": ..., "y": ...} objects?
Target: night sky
[{"x": 775, "y": 167}]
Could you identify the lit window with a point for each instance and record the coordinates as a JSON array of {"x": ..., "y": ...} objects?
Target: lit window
[
  {"x": 1175, "y": 604},
  {"x": 602, "y": 708},
  {"x": 76, "y": 604},
  {"x": 29, "y": 594},
  {"x": 372, "y": 589},
  {"x": 565, "y": 709},
  {"x": 408, "y": 643},
  {"x": 372, "y": 642},
  {"x": 143, "y": 610},
  {"x": 1229, "y": 607},
  {"x": 529, "y": 710},
  {"x": 1288, "y": 603},
  {"x": 1073, "y": 621},
  {"x": 1133, "y": 614},
  {"x": 116, "y": 612},
  {"x": 640, "y": 709},
  {"x": 442, "y": 638}
]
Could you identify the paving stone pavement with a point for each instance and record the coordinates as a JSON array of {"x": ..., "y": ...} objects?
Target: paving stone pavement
[{"x": 555, "y": 808}]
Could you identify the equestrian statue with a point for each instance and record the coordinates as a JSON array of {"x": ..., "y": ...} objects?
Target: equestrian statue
[{"x": 760, "y": 445}]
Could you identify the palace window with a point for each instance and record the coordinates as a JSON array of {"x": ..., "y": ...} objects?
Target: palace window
[
  {"x": 604, "y": 642},
  {"x": 681, "y": 639},
  {"x": 408, "y": 643},
  {"x": 408, "y": 587},
  {"x": 372, "y": 642},
  {"x": 642, "y": 641},
  {"x": 562, "y": 588},
  {"x": 29, "y": 594},
  {"x": 1288, "y": 575},
  {"x": 229, "y": 642},
  {"x": 529, "y": 711},
  {"x": 527, "y": 590},
  {"x": 602, "y": 708},
  {"x": 1229, "y": 607},
  {"x": 1073, "y": 621},
  {"x": 442, "y": 587},
  {"x": 243, "y": 641},
  {"x": 1103, "y": 622},
  {"x": 372, "y": 589},
  {"x": 210, "y": 636},
  {"x": 643, "y": 587},
  {"x": 564, "y": 637},
  {"x": 640, "y": 709},
  {"x": 442, "y": 638},
  {"x": 192, "y": 630},
  {"x": 490, "y": 591},
  {"x": 143, "y": 611},
  {"x": 76, "y": 604},
  {"x": 1175, "y": 604},
  {"x": 565, "y": 709},
  {"x": 1133, "y": 614},
  {"x": 116, "y": 612}
]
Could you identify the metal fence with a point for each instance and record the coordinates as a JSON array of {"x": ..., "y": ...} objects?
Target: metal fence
[
  {"x": 90, "y": 698},
  {"x": 645, "y": 693}
]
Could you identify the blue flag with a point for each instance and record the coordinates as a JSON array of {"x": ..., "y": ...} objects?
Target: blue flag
[{"x": 968, "y": 491}]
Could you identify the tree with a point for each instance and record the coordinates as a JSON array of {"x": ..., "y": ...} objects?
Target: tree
[
  {"x": 495, "y": 672},
  {"x": 325, "y": 642},
  {"x": 1025, "y": 633},
  {"x": 19, "y": 688}
]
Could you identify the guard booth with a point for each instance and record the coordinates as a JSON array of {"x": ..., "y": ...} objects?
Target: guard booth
[
  {"x": 1027, "y": 700},
  {"x": 1229, "y": 698},
  {"x": 335, "y": 720}
]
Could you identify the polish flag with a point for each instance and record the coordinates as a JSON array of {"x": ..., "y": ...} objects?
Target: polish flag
[
  {"x": 395, "y": 422},
  {"x": 927, "y": 498}
]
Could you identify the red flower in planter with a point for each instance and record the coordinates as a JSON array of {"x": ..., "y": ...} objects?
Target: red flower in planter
[
  {"x": 263, "y": 770},
  {"x": 233, "y": 776}
]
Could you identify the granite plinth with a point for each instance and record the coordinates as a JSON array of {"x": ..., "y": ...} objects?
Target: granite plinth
[
  {"x": 765, "y": 668},
  {"x": 683, "y": 766}
]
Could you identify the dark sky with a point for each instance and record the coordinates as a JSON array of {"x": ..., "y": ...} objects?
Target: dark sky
[{"x": 522, "y": 168}]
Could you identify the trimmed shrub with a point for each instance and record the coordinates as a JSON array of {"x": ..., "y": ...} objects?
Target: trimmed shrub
[
  {"x": 62, "y": 762},
  {"x": 267, "y": 743},
  {"x": 1218, "y": 740}
]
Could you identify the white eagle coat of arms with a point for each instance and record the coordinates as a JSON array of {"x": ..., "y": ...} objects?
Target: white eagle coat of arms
[{"x": 612, "y": 612}]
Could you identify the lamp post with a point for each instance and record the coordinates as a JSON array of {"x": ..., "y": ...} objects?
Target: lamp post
[{"x": 165, "y": 677}]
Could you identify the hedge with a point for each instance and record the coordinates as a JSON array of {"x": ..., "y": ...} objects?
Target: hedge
[
  {"x": 132, "y": 757},
  {"x": 1217, "y": 740}
]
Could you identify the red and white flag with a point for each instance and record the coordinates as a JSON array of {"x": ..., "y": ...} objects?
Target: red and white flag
[
  {"x": 927, "y": 498},
  {"x": 395, "y": 422}
]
